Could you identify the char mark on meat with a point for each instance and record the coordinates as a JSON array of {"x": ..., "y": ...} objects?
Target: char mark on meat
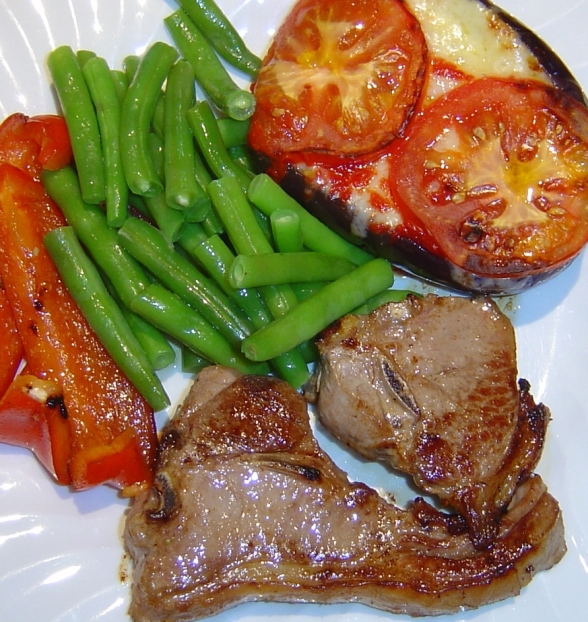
[
  {"x": 429, "y": 386},
  {"x": 260, "y": 513}
]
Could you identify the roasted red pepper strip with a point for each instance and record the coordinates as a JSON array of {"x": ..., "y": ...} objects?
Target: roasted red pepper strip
[
  {"x": 108, "y": 420},
  {"x": 11, "y": 352},
  {"x": 32, "y": 416},
  {"x": 35, "y": 143}
]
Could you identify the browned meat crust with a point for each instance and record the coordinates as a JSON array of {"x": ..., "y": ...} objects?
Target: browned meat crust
[
  {"x": 246, "y": 507},
  {"x": 429, "y": 386}
]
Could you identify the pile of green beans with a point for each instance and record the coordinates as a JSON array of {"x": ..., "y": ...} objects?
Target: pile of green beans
[{"x": 173, "y": 242}]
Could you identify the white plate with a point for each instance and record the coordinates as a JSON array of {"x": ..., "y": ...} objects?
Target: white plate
[{"x": 60, "y": 553}]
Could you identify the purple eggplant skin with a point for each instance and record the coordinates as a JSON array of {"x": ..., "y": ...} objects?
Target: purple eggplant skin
[
  {"x": 405, "y": 253},
  {"x": 553, "y": 65}
]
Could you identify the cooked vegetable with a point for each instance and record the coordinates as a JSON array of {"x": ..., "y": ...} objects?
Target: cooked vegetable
[
  {"x": 309, "y": 317},
  {"x": 103, "y": 314},
  {"x": 207, "y": 134},
  {"x": 12, "y": 351},
  {"x": 286, "y": 231},
  {"x": 182, "y": 189},
  {"x": 279, "y": 268},
  {"x": 233, "y": 132},
  {"x": 35, "y": 143},
  {"x": 269, "y": 197},
  {"x": 221, "y": 33},
  {"x": 104, "y": 95},
  {"x": 213, "y": 254},
  {"x": 136, "y": 114},
  {"x": 33, "y": 416},
  {"x": 341, "y": 77},
  {"x": 111, "y": 426},
  {"x": 211, "y": 75},
  {"x": 101, "y": 241},
  {"x": 121, "y": 84},
  {"x": 148, "y": 246},
  {"x": 155, "y": 344},
  {"x": 172, "y": 315},
  {"x": 508, "y": 196},
  {"x": 81, "y": 120},
  {"x": 483, "y": 187},
  {"x": 247, "y": 237}
]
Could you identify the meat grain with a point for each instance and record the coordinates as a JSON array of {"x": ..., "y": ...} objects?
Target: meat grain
[
  {"x": 247, "y": 507},
  {"x": 430, "y": 387}
]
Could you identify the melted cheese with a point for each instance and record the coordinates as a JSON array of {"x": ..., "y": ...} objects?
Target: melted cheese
[
  {"x": 469, "y": 36},
  {"x": 463, "y": 34}
]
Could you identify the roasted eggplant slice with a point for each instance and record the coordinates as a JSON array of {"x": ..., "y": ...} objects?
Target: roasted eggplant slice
[{"x": 483, "y": 186}]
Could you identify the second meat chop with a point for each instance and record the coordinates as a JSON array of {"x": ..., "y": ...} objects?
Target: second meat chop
[
  {"x": 247, "y": 507},
  {"x": 430, "y": 386}
]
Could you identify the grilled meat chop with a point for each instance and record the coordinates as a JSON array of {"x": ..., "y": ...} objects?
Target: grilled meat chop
[
  {"x": 246, "y": 507},
  {"x": 429, "y": 386}
]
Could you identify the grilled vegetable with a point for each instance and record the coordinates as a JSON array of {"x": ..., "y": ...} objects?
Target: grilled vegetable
[{"x": 482, "y": 186}]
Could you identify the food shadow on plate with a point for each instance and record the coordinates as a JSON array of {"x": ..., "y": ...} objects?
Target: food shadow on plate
[{"x": 344, "y": 612}]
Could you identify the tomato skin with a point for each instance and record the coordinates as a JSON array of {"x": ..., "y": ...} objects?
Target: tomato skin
[
  {"x": 497, "y": 172},
  {"x": 342, "y": 76}
]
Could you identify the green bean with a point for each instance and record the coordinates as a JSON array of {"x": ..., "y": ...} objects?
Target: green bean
[
  {"x": 241, "y": 155},
  {"x": 208, "y": 137},
  {"x": 103, "y": 92},
  {"x": 268, "y": 196},
  {"x": 169, "y": 220},
  {"x": 181, "y": 188},
  {"x": 390, "y": 295},
  {"x": 211, "y": 223},
  {"x": 138, "y": 204},
  {"x": 178, "y": 274},
  {"x": 306, "y": 290},
  {"x": 211, "y": 74},
  {"x": 158, "y": 118},
  {"x": 173, "y": 316},
  {"x": 278, "y": 268},
  {"x": 314, "y": 314},
  {"x": 130, "y": 66},
  {"x": 89, "y": 222},
  {"x": 216, "y": 258},
  {"x": 286, "y": 231},
  {"x": 84, "y": 56},
  {"x": 81, "y": 121},
  {"x": 191, "y": 362},
  {"x": 104, "y": 316},
  {"x": 154, "y": 344},
  {"x": 221, "y": 33},
  {"x": 243, "y": 229},
  {"x": 201, "y": 213},
  {"x": 121, "y": 84},
  {"x": 136, "y": 114},
  {"x": 247, "y": 237},
  {"x": 233, "y": 132}
]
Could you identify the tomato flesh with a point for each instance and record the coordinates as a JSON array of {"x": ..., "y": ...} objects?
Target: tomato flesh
[
  {"x": 497, "y": 171},
  {"x": 342, "y": 76}
]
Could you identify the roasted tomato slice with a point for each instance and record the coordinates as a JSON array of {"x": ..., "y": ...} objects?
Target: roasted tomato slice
[
  {"x": 497, "y": 171},
  {"x": 341, "y": 76}
]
